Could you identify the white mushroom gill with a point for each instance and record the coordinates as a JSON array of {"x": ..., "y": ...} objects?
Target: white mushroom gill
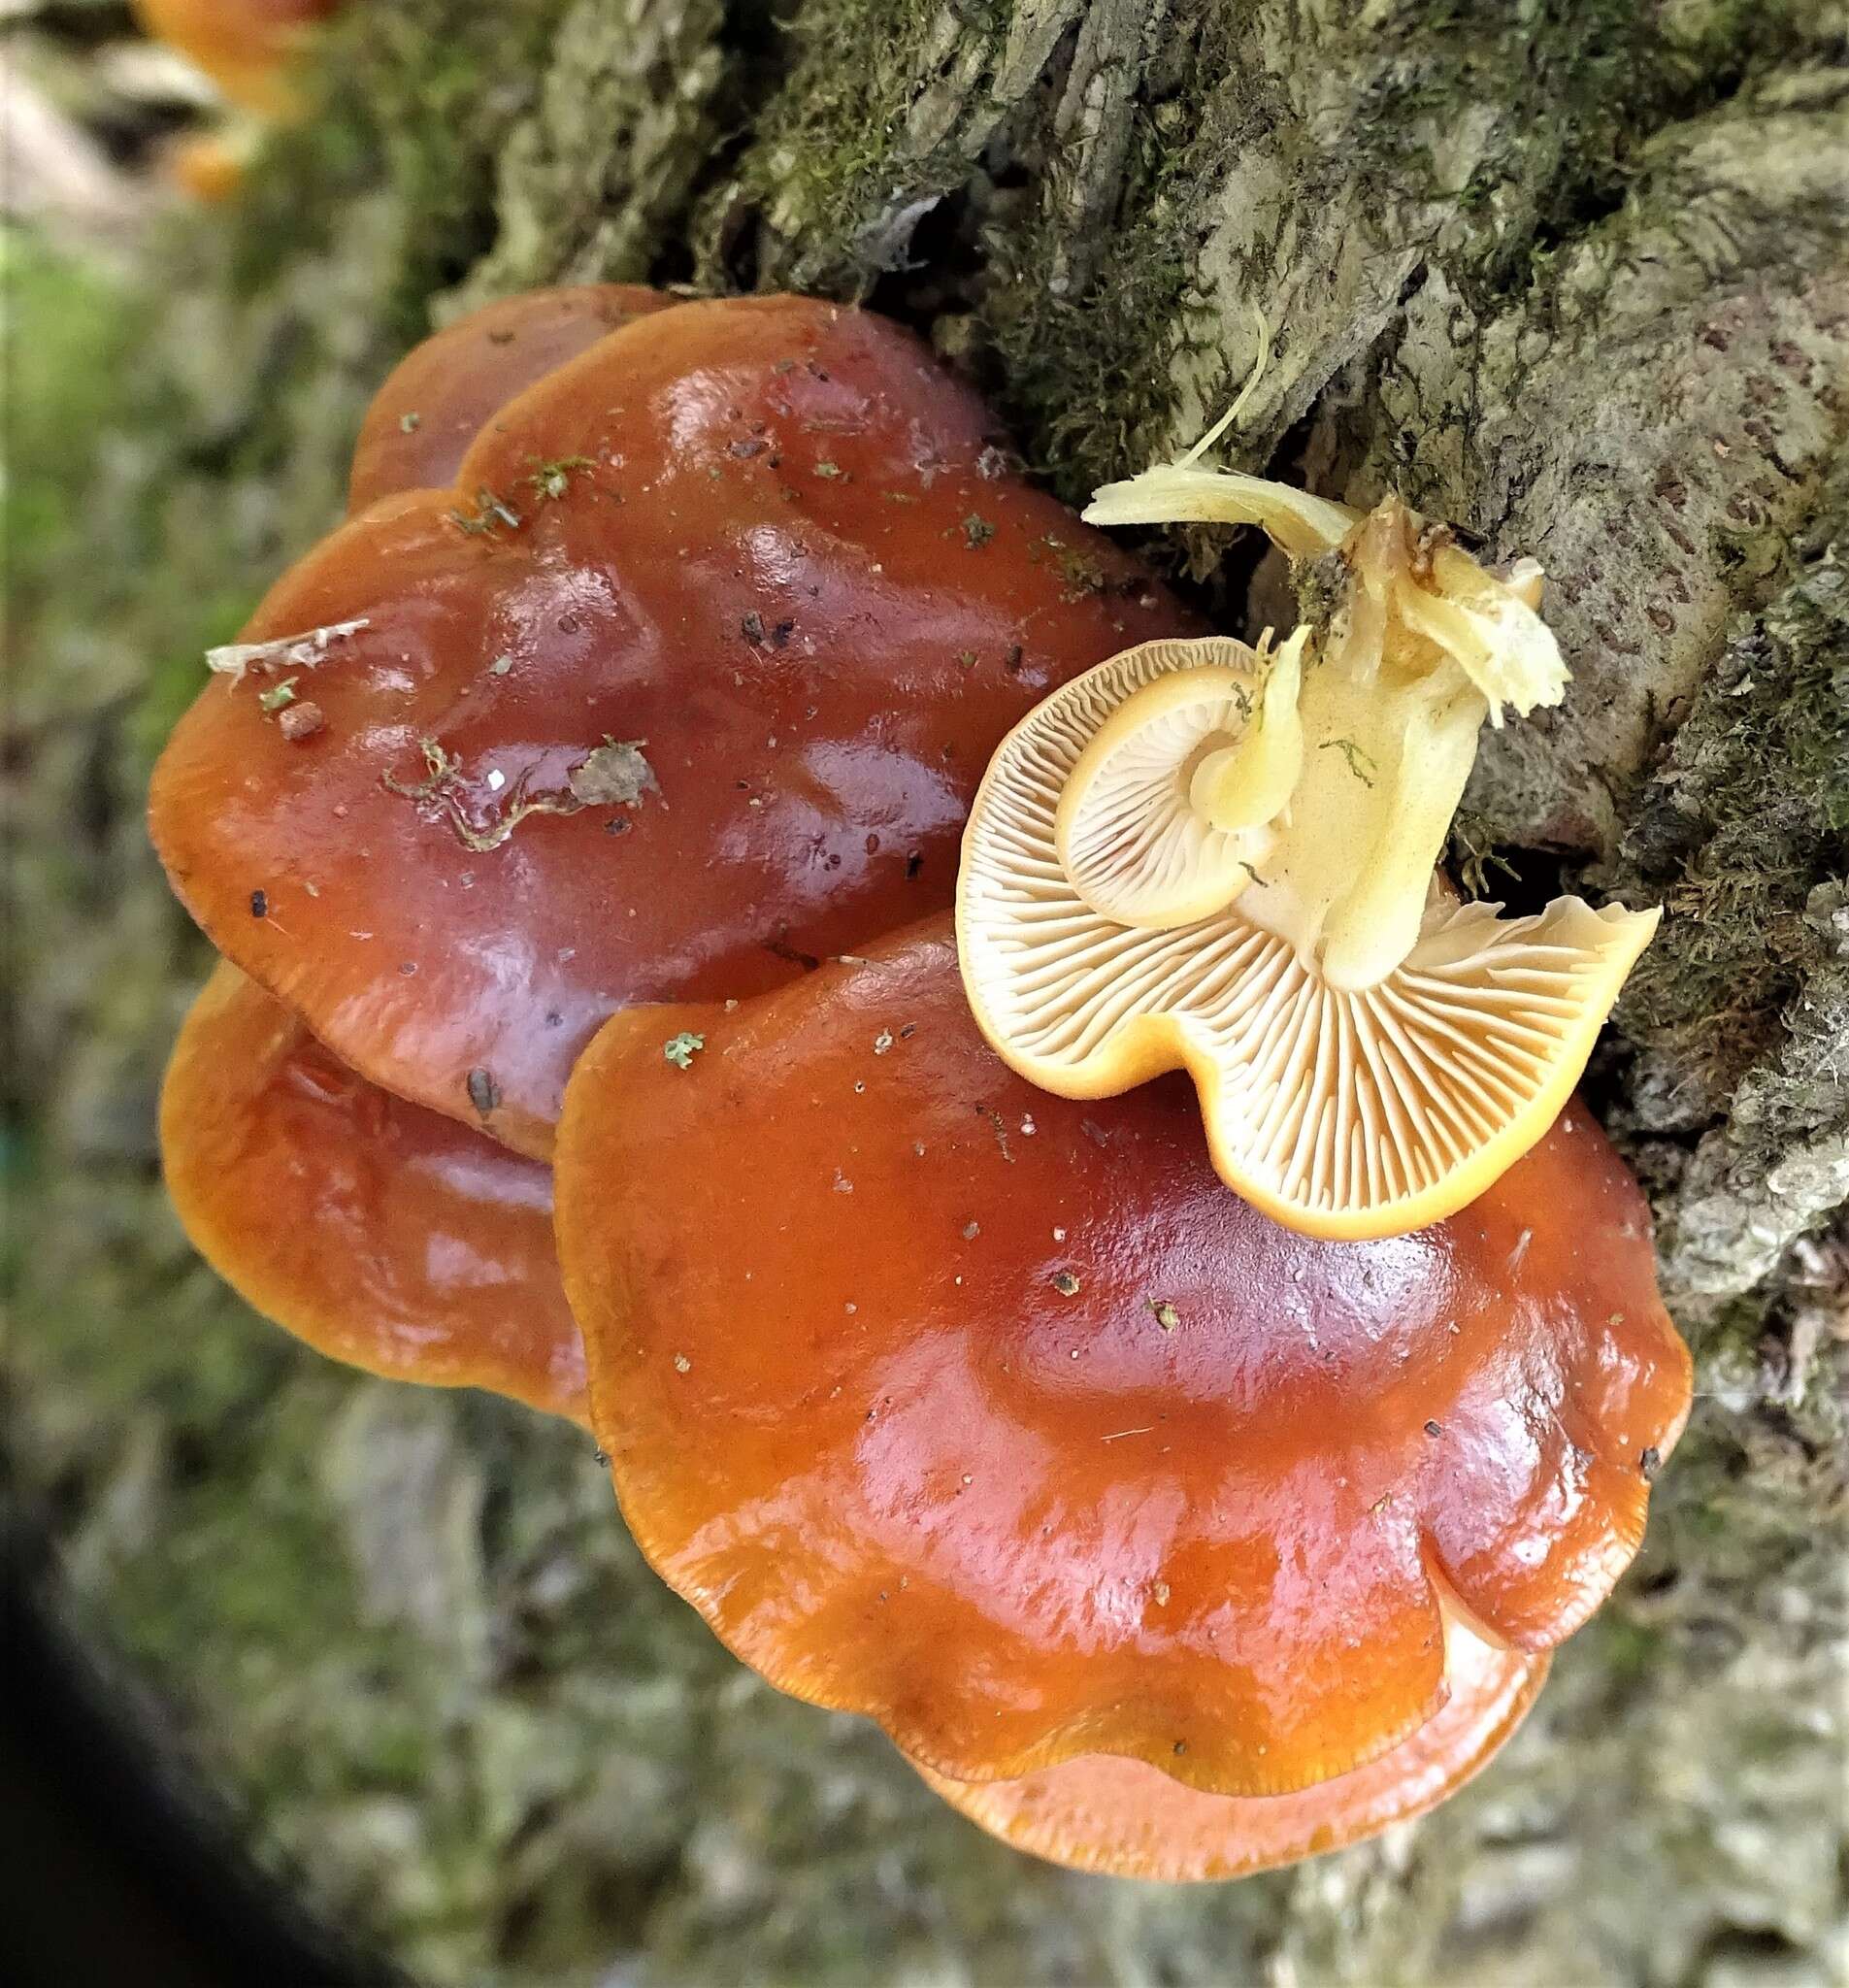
[
  {"x": 1200, "y": 855},
  {"x": 1165, "y": 813}
]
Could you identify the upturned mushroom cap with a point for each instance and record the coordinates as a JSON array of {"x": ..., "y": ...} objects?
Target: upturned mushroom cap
[
  {"x": 685, "y": 685},
  {"x": 383, "y": 1235},
  {"x": 1124, "y": 1819},
  {"x": 1341, "y": 1112},
  {"x": 244, "y": 46},
  {"x": 1420, "y": 646},
  {"x": 1165, "y": 814},
  {"x": 444, "y": 392},
  {"x": 995, "y": 1416}
]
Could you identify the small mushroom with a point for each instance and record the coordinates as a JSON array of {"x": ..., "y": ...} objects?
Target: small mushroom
[
  {"x": 1135, "y": 1470},
  {"x": 1203, "y": 856},
  {"x": 383, "y": 1235},
  {"x": 444, "y": 392},
  {"x": 207, "y": 166},
  {"x": 246, "y": 47},
  {"x": 1167, "y": 811},
  {"x": 1125, "y": 1819},
  {"x": 640, "y": 561}
]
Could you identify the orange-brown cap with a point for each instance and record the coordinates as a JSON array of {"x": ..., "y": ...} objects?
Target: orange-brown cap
[
  {"x": 244, "y": 46},
  {"x": 998, "y": 1416},
  {"x": 687, "y": 683},
  {"x": 207, "y": 165},
  {"x": 1125, "y": 1819},
  {"x": 381, "y": 1234},
  {"x": 444, "y": 392}
]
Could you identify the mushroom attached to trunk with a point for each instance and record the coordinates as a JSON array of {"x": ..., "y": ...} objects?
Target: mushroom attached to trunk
[
  {"x": 383, "y": 1235},
  {"x": 1200, "y": 855},
  {"x": 1041, "y": 1444},
  {"x": 685, "y": 685}
]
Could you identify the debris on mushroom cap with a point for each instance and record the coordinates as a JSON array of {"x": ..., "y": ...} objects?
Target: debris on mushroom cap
[
  {"x": 983, "y": 1489},
  {"x": 305, "y": 651},
  {"x": 479, "y": 774},
  {"x": 244, "y": 46},
  {"x": 1341, "y": 1113},
  {"x": 617, "y": 775},
  {"x": 381, "y": 1234},
  {"x": 1124, "y": 1819},
  {"x": 440, "y": 395}
]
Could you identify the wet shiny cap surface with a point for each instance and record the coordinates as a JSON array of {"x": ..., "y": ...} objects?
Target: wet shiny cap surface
[
  {"x": 684, "y": 686},
  {"x": 998, "y": 1416},
  {"x": 444, "y": 392},
  {"x": 1123, "y": 1819},
  {"x": 383, "y": 1235}
]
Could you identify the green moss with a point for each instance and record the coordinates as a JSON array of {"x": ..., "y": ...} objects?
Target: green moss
[
  {"x": 67, "y": 337},
  {"x": 416, "y": 99},
  {"x": 595, "y": 179},
  {"x": 107, "y": 577},
  {"x": 1735, "y": 856},
  {"x": 848, "y": 127},
  {"x": 1078, "y": 369}
]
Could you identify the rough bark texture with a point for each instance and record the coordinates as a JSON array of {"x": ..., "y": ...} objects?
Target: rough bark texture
[{"x": 1573, "y": 273}]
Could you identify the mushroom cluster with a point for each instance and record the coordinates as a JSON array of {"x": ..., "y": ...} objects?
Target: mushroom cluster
[
  {"x": 412, "y": 810},
  {"x": 579, "y": 826}
]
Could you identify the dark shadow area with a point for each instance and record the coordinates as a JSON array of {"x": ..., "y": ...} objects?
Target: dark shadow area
[{"x": 113, "y": 1871}]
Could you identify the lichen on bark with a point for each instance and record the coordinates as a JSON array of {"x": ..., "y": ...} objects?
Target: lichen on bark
[
  {"x": 1573, "y": 276},
  {"x": 594, "y": 176}
]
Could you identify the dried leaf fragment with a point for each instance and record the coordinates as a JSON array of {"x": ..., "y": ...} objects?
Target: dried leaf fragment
[
  {"x": 617, "y": 775},
  {"x": 304, "y": 650}
]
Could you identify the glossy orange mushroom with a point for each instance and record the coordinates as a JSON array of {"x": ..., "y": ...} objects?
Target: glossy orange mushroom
[
  {"x": 244, "y": 46},
  {"x": 996, "y": 1417},
  {"x": 1106, "y": 1813},
  {"x": 687, "y": 683},
  {"x": 383, "y": 1235},
  {"x": 444, "y": 392}
]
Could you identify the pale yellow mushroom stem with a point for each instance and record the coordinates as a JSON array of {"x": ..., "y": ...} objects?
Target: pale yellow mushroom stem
[
  {"x": 1246, "y": 784},
  {"x": 1361, "y": 758}
]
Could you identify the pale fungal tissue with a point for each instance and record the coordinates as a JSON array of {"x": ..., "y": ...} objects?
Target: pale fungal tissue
[{"x": 1206, "y": 857}]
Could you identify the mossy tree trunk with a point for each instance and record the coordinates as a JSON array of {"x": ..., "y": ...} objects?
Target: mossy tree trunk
[{"x": 1573, "y": 274}]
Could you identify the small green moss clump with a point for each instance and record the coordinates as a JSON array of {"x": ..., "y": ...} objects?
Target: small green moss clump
[{"x": 1735, "y": 831}]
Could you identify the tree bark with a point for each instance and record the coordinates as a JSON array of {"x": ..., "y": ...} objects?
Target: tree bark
[{"x": 1573, "y": 274}]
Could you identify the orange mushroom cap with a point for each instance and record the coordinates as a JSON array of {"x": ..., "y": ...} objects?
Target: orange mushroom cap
[
  {"x": 244, "y": 46},
  {"x": 205, "y": 165},
  {"x": 383, "y": 1235},
  {"x": 687, "y": 683},
  {"x": 445, "y": 391},
  {"x": 1121, "y": 1817},
  {"x": 998, "y": 1416}
]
